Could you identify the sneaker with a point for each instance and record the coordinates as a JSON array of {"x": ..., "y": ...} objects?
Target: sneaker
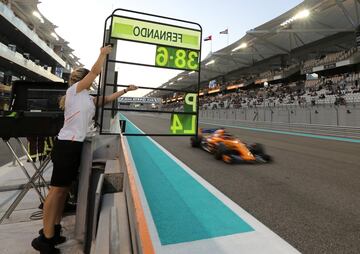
[
  {"x": 44, "y": 245},
  {"x": 57, "y": 238}
]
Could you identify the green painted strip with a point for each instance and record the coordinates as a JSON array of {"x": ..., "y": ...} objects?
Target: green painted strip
[
  {"x": 183, "y": 210},
  {"x": 288, "y": 133},
  {"x": 189, "y": 39},
  {"x": 123, "y": 29},
  {"x": 155, "y": 33}
]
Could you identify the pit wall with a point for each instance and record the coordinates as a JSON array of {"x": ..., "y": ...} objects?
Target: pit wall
[{"x": 327, "y": 115}]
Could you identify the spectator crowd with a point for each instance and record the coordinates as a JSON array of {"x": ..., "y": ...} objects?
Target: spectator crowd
[{"x": 337, "y": 89}]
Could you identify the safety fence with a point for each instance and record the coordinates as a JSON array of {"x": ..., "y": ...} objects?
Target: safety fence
[{"x": 326, "y": 115}]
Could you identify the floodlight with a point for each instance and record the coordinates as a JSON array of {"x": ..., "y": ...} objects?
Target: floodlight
[
  {"x": 302, "y": 14},
  {"x": 241, "y": 46}
]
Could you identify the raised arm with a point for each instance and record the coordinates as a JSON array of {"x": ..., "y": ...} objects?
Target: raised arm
[
  {"x": 114, "y": 96},
  {"x": 87, "y": 81}
]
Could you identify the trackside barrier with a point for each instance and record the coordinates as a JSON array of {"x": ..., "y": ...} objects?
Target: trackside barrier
[
  {"x": 206, "y": 117},
  {"x": 325, "y": 114},
  {"x": 232, "y": 118},
  {"x": 346, "y": 132}
]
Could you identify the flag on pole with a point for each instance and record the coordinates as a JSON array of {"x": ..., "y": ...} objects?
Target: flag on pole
[
  {"x": 209, "y": 38},
  {"x": 226, "y": 31}
]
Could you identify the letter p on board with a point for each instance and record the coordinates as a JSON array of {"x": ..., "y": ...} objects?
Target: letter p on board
[{"x": 190, "y": 101}]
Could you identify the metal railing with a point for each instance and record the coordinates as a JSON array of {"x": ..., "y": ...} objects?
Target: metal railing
[
  {"x": 19, "y": 59},
  {"x": 21, "y": 26}
]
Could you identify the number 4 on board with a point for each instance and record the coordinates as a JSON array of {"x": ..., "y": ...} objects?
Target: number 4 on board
[
  {"x": 183, "y": 124},
  {"x": 176, "y": 125}
]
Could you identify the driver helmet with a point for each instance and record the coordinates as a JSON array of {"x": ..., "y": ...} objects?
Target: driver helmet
[{"x": 219, "y": 133}]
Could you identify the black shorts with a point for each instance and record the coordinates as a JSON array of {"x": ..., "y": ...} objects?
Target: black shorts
[{"x": 66, "y": 157}]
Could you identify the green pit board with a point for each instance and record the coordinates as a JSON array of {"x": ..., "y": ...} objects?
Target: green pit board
[{"x": 176, "y": 45}]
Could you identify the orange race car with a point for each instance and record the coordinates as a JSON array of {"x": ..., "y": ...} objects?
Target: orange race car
[{"x": 228, "y": 148}]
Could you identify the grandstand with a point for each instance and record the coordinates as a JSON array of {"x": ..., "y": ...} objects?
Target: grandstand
[
  {"x": 30, "y": 49},
  {"x": 274, "y": 64}
]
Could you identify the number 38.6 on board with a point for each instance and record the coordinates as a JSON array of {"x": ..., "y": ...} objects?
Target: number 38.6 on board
[{"x": 177, "y": 58}]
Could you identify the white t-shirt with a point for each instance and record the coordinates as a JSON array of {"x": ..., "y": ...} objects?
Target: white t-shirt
[{"x": 79, "y": 111}]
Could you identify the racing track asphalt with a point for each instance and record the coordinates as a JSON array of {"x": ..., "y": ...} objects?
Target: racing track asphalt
[{"x": 309, "y": 195}]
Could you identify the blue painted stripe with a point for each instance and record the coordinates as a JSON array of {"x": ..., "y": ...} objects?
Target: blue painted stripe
[
  {"x": 183, "y": 210},
  {"x": 288, "y": 133}
]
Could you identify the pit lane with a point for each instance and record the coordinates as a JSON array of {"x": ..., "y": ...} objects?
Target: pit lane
[{"x": 309, "y": 195}]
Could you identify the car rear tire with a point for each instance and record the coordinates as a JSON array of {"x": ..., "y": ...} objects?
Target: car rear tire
[
  {"x": 267, "y": 157},
  {"x": 195, "y": 141},
  {"x": 257, "y": 149}
]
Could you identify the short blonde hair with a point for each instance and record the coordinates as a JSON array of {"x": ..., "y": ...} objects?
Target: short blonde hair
[{"x": 75, "y": 76}]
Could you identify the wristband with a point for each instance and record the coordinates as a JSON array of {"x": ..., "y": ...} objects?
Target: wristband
[{"x": 125, "y": 90}]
